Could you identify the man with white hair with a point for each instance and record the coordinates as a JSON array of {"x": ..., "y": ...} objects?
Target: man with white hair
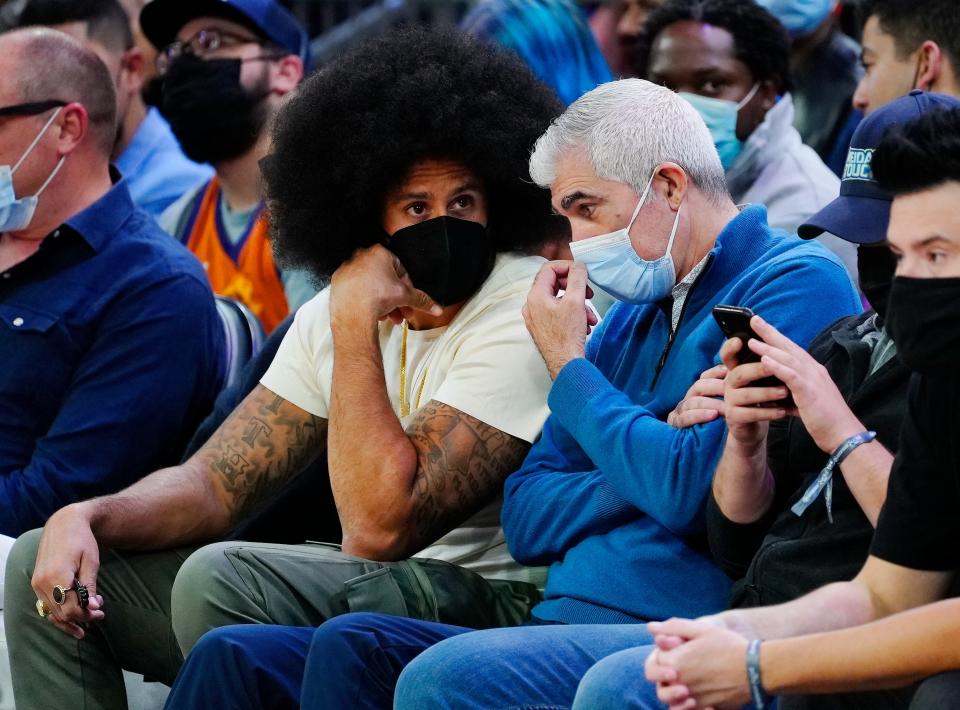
[{"x": 612, "y": 496}]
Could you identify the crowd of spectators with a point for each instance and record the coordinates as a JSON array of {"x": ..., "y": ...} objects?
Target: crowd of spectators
[{"x": 590, "y": 355}]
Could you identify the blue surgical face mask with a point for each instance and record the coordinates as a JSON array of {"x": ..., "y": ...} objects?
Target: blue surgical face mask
[
  {"x": 17, "y": 213},
  {"x": 800, "y": 17},
  {"x": 721, "y": 118},
  {"x": 614, "y": 265}
]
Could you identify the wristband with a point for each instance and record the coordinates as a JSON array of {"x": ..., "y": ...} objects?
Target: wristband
[
  {"x": 825, "y": 479},
  {"x": 758, "y": 695}
]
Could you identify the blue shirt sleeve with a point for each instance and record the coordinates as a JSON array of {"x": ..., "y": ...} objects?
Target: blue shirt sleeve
[
  {"x": 556, "y": 499},
  {"x": 150, "y": 375}
]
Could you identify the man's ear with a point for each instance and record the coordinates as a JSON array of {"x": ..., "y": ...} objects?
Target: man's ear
[
  {"x": 72, "y": 126},
  {"x": 287, "y": 74},
  {"x": 133, "y": 67},
  {"x": 931, "y": 65},
  {"x": 767, "y": 94},
  {"x": 676, "y": 181}
]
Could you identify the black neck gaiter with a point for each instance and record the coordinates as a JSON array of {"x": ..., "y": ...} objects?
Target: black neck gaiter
[
  {"x": 876, "y": 265},
  {"x": 924, "y": 321},
  {"x": 211, "y": 113}
]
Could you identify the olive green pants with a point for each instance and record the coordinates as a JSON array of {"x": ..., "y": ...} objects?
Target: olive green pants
[{"x": 157, "y": 605}]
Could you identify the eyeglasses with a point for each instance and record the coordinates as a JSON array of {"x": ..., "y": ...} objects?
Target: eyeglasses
[
  {"x": 32, "y": 108},
  {"x": 202, "y": 44}
]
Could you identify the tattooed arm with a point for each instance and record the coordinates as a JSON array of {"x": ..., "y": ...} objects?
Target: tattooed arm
[
  {"x": 262, "y": 445},
  {"x": 444, "y": 468},
  {"x": 398, "y": 491},
  {"x": 461, "y": 465}
]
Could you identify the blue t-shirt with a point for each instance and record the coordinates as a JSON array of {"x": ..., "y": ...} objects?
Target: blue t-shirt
[{"x": 112, "y": 353}]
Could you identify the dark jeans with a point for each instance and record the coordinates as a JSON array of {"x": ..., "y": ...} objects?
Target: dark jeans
[
  {"x": 345, "y": 665},
  {"x": 357, "y": 661},
  {"x": 940, "y": 691}
]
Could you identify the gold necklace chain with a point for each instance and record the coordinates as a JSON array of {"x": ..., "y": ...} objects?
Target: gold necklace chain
[{"x": 404, "y": 404}]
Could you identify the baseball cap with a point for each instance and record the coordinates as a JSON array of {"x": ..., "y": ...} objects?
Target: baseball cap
[
  {"x": 162, "y": 19},
  {"x": 862, "y": 211}
]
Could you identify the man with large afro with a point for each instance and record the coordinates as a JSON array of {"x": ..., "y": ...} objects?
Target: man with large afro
[
  {"x": 400, "y": 171},
  {"x": 354, "y": 129}
]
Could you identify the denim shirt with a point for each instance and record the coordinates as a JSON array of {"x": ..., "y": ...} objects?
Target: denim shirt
[
  {"x": 112, "y": 352},
  {"x": 157, "y": 171}
]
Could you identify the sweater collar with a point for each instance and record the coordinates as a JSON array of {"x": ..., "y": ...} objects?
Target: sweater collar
[{"x": 742, "y": 242}]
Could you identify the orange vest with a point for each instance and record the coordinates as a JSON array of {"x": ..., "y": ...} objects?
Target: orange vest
[{"x": 245, "y": 272}]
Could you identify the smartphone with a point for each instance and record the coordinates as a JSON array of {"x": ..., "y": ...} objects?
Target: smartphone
[{"x": 734, "y": 321}]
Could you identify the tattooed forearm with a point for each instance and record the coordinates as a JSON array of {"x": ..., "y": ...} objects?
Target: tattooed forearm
[
  {"x": 262, "y": 445},
  {"x": 462, "y": 464},
  {"x": 255, "y": 429}
]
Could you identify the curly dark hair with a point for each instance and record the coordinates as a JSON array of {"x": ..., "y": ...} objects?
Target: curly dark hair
[
  {"x": 759, "y": 39},
  {"x": 355, "y": 128},
  {"x": 920, "y": 154}
]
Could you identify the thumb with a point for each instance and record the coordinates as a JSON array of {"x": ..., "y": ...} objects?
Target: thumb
[
  {"x": 420, "y": 301},
  {"x": 728, "y": 353}
]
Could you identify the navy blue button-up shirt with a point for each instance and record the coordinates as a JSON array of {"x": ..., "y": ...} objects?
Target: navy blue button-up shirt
[{"x": 112, "y": 352}]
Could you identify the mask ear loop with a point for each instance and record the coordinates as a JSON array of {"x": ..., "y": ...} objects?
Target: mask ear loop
[
  {"x": 673, "y": 232},
  {"x": 749, "y": 97},
  {"x": 643, "y": 198},
  {"x": 676, "y": 220},
  {"x": 37, "y": 140},
  {"x": 46, "y": 182},
  {"x": 916, "y": 78}
]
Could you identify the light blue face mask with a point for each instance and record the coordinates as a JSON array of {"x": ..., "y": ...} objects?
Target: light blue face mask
[
  {"x": 720, "y": 116},
  {"x": 614, "y": 265},
  {"x": 800, "y": 17},
  {"x": 17, "y": 213}
]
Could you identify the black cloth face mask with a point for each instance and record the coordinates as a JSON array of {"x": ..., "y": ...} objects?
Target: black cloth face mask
[
  {"x": 446, "y": 258},
  {"x": 876, "y": 265},
  {"x": 212, "y": 114},
  {"x": 924, "y": 321}
]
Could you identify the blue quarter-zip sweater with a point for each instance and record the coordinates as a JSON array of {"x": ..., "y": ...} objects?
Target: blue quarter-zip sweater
[{"x": 612, "y": 497}]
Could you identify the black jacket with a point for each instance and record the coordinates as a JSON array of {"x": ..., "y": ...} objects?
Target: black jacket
[{"x": 782, "y": 556}]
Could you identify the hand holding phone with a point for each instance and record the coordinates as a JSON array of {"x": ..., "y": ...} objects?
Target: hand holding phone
[{"x": 734, "y": 321}]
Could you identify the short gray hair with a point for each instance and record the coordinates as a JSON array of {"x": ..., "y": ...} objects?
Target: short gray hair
[{"x": 627, "y": 128}]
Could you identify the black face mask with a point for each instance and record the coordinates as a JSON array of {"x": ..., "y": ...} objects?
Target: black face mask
[
  {"x": 212, "y": 115},
  {"x": 876, "y": 265},
  {"x": 153, "y": 92},
  {"x": 447, "y": 258},
  {"x": 924, "y": 321}
]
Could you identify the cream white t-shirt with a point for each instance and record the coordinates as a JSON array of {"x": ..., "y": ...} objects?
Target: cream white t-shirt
[{"x": 483, "y": 363}]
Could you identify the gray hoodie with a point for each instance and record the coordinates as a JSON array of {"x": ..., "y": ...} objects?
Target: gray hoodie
[{"x": 777, "y": 170}]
